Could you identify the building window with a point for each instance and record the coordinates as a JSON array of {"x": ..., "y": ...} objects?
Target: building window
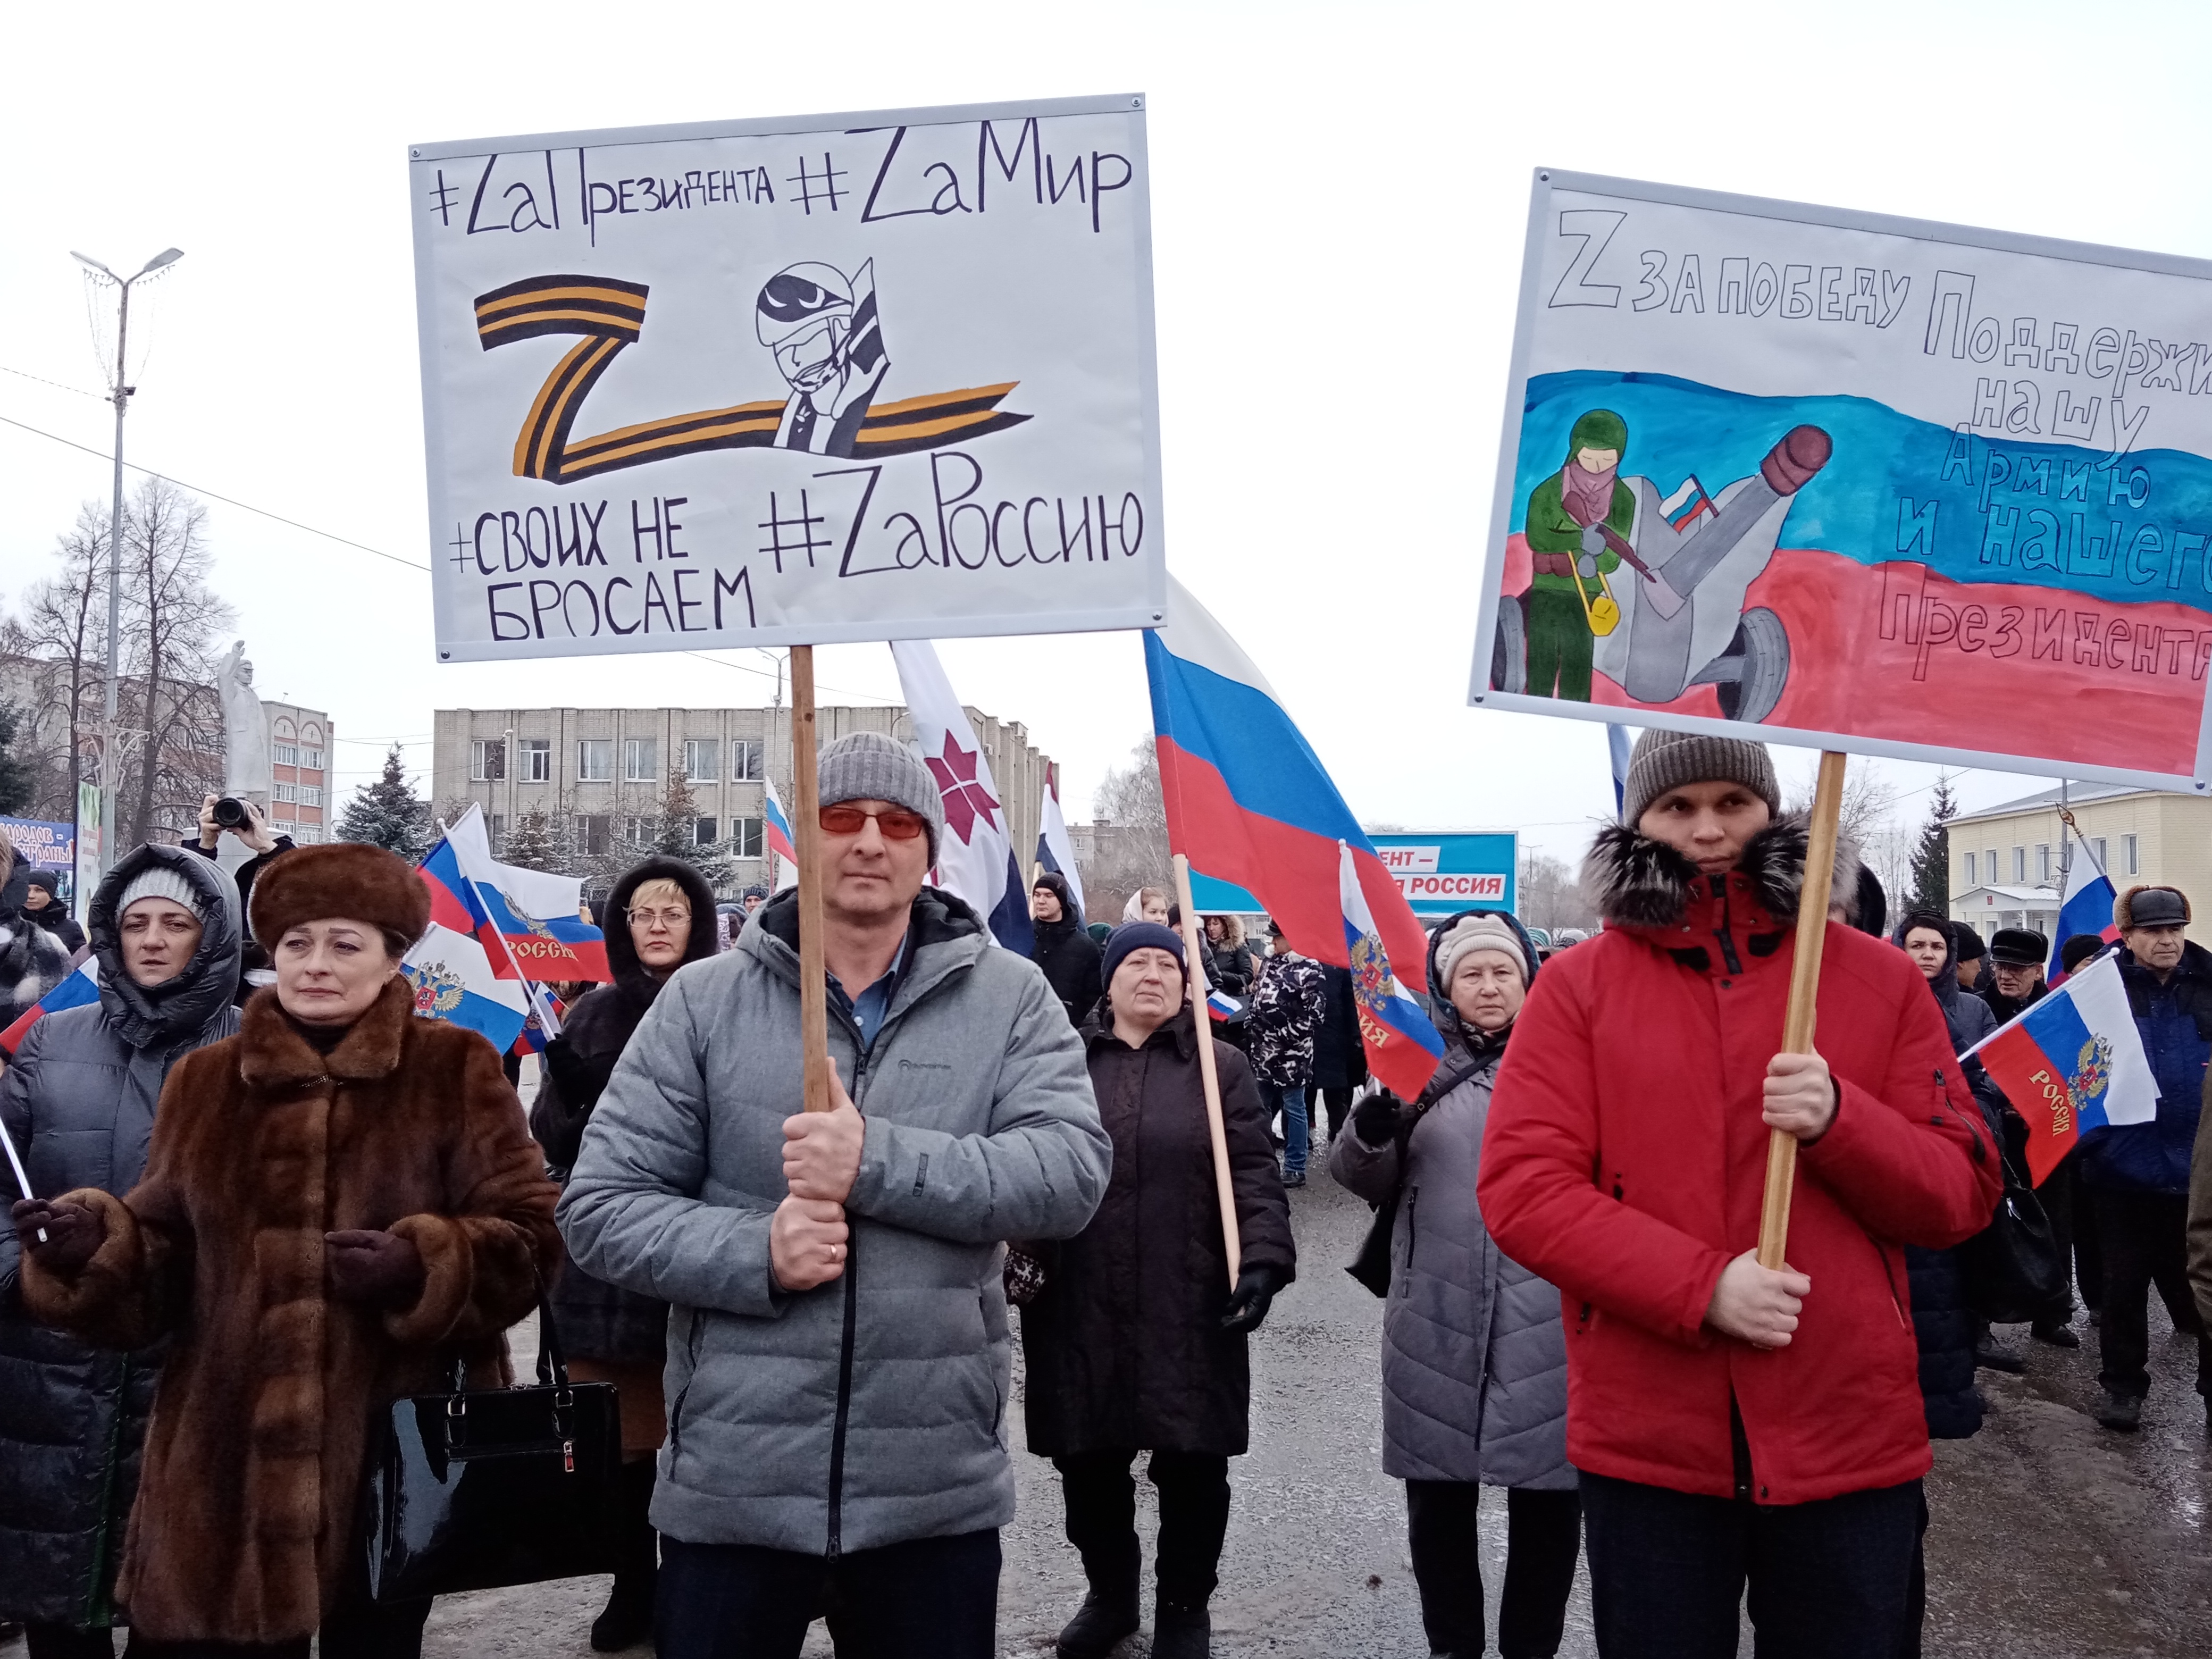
[
  {"x": 703, "y": 832},
  {"x": 2131, "y": 854},
  {"x": 594, "y": 833},
  {"x": 1971, "y": 880},
  {"x": 281, "y": 791},
  {"x": 488, "y": 760},
  {"x": 311, "y": 759},
  {"x": 497, "y": 823},
  {"x": 2103, "y": 857},
  {"x": 2043, "y": 864},
  {"x": 639, "y": 755},
  {"x": 595, "y": 761},
  {"x": 311, "y": 794},
  {"x": 284, "y": 754},
  {"x": 699, "y": 756},
  {"x": 1990, "y": 867},
  {"x": 746, "y": 837},
  {"x": 536, "y": 760},
  {"x": 310, "y": 835},
  {"x": 745, "y": 760},
  {"x": 2020, "y": 863}
]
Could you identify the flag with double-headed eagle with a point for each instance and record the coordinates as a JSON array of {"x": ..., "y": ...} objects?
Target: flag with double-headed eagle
[
  {"x": 1402, "y": 1046},
  {"x": 449, "y": 970},
  {"x": 976, "y": 854},
  {"x": 2073, "y": 1064}
]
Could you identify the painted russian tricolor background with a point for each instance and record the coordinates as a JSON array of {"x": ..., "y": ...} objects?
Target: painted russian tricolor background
[
  {"x": 1250, "y": 803},
  {"x": 2072, "y": 1065},
  {"x": 77, "y": 990}
]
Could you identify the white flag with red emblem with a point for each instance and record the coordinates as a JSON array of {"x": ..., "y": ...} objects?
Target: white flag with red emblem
[{"x": 976, "y": 855}]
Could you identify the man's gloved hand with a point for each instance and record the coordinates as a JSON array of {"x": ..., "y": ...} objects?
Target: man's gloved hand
[
  {"x": 1247, "y": 1302},
  {"x": 74, "y": 1232},
  {"x": 1375, "y": 1120},
  {"x": 368, "y": 1265}
]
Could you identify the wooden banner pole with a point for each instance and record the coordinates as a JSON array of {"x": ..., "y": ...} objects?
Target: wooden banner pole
[
  {"x": 807, "y": 838},
  {"x": 1804, "y": 987},
  {"x": 1193, "y": 945}
]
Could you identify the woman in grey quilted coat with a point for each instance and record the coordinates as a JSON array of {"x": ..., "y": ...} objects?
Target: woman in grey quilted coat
[{"x": 1474, "y": 1359}]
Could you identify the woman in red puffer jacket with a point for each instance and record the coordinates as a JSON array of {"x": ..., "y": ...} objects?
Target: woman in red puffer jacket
[{"x": 1732, "y": 1424}]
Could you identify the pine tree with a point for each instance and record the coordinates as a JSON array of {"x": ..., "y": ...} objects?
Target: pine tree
[
  {"x": 535, "y": 843},
  {"x": 1931, "y": 859},
  {"x": 671, "y": 832},
  {"x": 17, "y": 781},
  {"x": 389, "y": 814}
]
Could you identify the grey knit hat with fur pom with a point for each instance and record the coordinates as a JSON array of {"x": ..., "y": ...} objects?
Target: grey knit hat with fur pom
[{"x": 1667, "y": 760}]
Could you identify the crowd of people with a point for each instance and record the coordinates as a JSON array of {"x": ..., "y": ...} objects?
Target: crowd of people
[{"x": 271, "y": 1202}]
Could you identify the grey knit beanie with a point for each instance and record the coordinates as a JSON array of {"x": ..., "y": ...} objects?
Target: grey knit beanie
[
  {"x": 1484, "y": 931},
  {"x": 869, "y": 766},
  {"x": 1667, "y": 760},
  {"x": 160, "y": 881}
]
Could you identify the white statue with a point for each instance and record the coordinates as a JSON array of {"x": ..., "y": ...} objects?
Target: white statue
[{"x": 245, "y": 728}]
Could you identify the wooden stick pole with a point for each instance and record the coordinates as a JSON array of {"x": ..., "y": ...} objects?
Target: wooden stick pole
[
  {"x": 1193, "y": 945},
  {"x": 1804, "y": 988},
  {"x": 806, "y": 837}
]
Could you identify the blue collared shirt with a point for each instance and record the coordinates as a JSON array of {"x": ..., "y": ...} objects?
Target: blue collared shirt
[{"x": 869, "y": 1008}]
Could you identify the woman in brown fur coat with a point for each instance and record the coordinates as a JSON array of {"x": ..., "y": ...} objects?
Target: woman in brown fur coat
[{"x": 336, "y": 1201}]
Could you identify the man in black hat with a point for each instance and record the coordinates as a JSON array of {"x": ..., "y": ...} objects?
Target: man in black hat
[
  {"x": 1973, "y": 957},
  {"x": 2016, "y": 984},
  {"x": 2137, "y": 1173}
]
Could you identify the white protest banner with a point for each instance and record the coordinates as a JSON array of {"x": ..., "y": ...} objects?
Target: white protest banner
[
  {"x": 1875, "y": 484},
  {"x": 845, "y": 377}
]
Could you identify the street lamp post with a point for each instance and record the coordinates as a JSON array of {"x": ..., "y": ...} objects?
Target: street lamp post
[{"x": 110, "y": 770}]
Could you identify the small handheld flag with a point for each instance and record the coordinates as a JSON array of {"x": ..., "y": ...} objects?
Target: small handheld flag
[
  {"x": 1686, "y": 504},
  {"x": 777, "y": 828},
  {"x": 2086, "y": 908},
  {"x": 80, "y": 988},
  {"x": 1402, "y": 1045},
  {"x": 2072, "y": 1065}
]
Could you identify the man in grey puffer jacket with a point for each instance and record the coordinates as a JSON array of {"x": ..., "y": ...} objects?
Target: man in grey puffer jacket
[{"x": 839, "y": 1360}]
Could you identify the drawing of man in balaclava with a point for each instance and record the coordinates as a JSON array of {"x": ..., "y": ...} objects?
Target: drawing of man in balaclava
[
  {"x": 822, "y": 326},
  {"x": 1568, "y": 594}
]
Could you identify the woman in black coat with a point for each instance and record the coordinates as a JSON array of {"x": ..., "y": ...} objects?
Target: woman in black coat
[
  {"x": 660, "y": 916},
  {"x": 1136, "y": 1341},
  {"x": 1064, "y": 950},
  {"x": 78, "y": 1098}
]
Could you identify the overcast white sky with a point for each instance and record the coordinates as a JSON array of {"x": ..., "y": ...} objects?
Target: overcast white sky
[{"x": 1339, "y": 194}]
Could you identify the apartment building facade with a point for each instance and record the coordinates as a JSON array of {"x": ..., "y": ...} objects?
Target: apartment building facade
[
  {"x": 2009, "y": 863},
  {"x": 599, "y": 773}
]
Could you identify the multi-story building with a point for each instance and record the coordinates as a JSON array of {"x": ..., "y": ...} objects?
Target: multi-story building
[
  {"x": 2009, "y": 863},
  {"x": 599, "y": 774},
  {"x": 300, "y": 752}
]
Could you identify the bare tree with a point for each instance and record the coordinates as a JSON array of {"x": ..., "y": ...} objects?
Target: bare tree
[
  {"x": 61, "y": 638},
  {"x": 1129, "y": 837},
  {"x": 1551, "y": 895},
  {"x": 171, "y": 622}
]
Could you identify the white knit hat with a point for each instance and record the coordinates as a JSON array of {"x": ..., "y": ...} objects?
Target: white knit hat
[
  {"x": 160, "y": 881},
  {"x": 1485, "y": 930}
]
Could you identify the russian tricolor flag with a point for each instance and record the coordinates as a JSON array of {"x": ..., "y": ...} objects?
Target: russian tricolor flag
[
  {"x": 780, "y": 843},
  {"x": 470, "y": 892},
  {"x": 450, "y": 969},
  {"x": 2086, "y": 908},
  {"x": 1402, "y": 1045},
  {"x": 1250, "y": 803},
  {"x": 79, "y": 989},
  {"x": 2072, "y": 1065}
]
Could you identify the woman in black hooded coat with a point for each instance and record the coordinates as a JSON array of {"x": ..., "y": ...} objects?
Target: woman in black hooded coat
[{"x": 607, "y": 1334}]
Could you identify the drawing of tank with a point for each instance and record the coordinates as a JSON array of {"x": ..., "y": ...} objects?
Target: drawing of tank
[{"x": 1688, "y": 562}]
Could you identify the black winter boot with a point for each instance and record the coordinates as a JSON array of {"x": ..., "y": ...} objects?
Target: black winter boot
[
  {"x": 1180, "y": 1633},
  {"x": 627, "y": 1619},
  {"x": 1106, "y": 1618}
]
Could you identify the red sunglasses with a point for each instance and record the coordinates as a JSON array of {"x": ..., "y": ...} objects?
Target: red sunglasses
[{"x": 851, "y": 820}]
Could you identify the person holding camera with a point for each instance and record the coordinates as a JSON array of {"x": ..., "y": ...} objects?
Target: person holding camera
[{"x": 237, "y": 816}]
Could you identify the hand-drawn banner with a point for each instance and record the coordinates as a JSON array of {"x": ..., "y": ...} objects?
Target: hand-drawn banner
[
  {"x": 852, "y": 377},
  {"x": 1873, "y": 484}
]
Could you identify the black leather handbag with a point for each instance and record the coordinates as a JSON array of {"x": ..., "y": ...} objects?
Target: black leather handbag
[
  {"x": 472, "y": 1489},
  {"x": 2012, "y": 1270}
]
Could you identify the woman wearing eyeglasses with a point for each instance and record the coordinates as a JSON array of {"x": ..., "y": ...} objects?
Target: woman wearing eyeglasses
[{"x": 660, "y": 916}]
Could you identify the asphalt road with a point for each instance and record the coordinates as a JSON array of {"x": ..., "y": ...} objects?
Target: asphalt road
[{"x": 2052, "y": 1538}]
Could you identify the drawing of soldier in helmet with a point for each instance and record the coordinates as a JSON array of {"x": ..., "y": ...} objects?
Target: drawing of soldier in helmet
[
  {"x": 823, "y": 329},
  {"x": 1569, "y": 602}
]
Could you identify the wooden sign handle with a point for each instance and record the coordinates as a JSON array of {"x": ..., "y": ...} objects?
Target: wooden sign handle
[
  {"x": 806, "y": 837},
  {"x": 1193, "y": 945},
  {"x": 1804, "y": 989}
]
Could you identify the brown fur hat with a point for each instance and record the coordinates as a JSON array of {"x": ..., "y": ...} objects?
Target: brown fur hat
[
  {"x": 342, "y": 878},
  {"x": 2136, "y": 908}
]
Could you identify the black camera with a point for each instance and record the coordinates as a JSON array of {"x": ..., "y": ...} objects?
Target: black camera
[{"x": 230, "y": 813}]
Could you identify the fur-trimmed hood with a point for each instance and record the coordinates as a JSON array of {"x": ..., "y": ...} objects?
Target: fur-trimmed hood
[{"x": 1634, "y": 881}]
